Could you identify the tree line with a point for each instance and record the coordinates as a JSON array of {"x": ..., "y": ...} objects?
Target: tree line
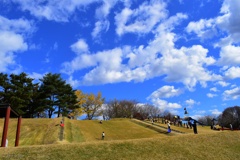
[
  {"x": 51, "y": 95},
  {"x": 230, "y": 115}
]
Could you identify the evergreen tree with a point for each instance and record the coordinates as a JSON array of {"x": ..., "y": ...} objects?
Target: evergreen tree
[
  {"x": 20, "y": 93},
  {"x": 4, "y": 88},
  {"x": 67, "y": 100},
  {"x": 59, "y": 96}
]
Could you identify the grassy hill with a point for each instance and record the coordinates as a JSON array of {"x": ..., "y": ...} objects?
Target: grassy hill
[
  {"x": 33, "y": 131},
  {"x": 125, "y": 139}
]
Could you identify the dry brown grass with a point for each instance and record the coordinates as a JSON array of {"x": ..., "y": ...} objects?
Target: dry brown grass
[
  {"x": 124, "y": 140},
  {"x": 33, "y": 131}
]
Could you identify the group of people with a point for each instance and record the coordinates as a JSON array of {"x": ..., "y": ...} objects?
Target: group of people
[{"x": 192, "y": 124}]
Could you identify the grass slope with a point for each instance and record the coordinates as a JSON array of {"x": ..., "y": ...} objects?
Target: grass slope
[
  {"x": 119, "y": 129},
  {"x": 124, "y": 140},
  {"x": 33, "y": 131},
  {"x": 221, "y": 145}
]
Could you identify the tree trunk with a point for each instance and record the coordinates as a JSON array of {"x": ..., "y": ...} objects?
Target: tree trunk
[{"x": 50, "y": 113}]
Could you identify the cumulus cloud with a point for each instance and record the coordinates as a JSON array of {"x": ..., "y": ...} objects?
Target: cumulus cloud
[
  {"x": 54, "y": 10},
  {"x": 215, "y": 112},
  {"x": 214, "y": 89},
  {"x": 203, "y": 28},
  {"x": 229, "y": 21},
  {"x": 229, "y": 55},
  {"x": 165, "y": 105},
  {"x": 226, "y": 22},
  {"x": 16, "y": 25},
  {"x": 158, "y": 58},
  {"x": 80, "y": 46},
  {"x": 231, "y": 94},
  {"x": 142, "y": 19},
  {"x": 191, "y": 102},
  {"x": 223, "y": 83},
  {"x": 12, "y": 41},
  {"x": 232, "y": 73},
  {"x": 211, "y": 95},
  {"x": 165, "y": 92}
]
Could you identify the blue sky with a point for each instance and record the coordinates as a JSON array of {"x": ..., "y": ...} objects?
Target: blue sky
[{"x": 169, "y": 53}]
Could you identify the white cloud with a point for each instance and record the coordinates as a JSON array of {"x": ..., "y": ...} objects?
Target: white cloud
[
  {"x": 190, "y": 66},
  {"x": 214, "y": 89},
  {"x": 140, "y": 20},
  {"x": 101, "y": 14},
  {"x": 55, "y": 10},
  {"x": 191, "y": 102},
  {"x": 12, "y": 41},
  {"x": 187, "y": 65},
  {"x": 215, "y": 112},
  {"x": 16, "y": 25},
  {"x": 165, "y": 105},
  {"x": 100, "y": 26},
  {"x": 229, "y": 55},
  {"x": 223, "y": 83},
  {"x": 229, "y": 21},
  {"x": 233, "y": 72},
  {"x": 72, "y": 82},
  {"x": 211, "y": 95},
  {"x": 80, "y": 46},
  {"x": 158, "y": 58},
  {"x": 202, "y": 28},
  {"x": 107, "y": 66},
  {"x": 231, "y": 94},
  {"x": 165, "y": 92}
]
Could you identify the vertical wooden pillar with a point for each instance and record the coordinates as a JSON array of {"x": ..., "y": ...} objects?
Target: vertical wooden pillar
[
  {"x": 18, "y": 131},
  {"x": 5, "y": 127}
]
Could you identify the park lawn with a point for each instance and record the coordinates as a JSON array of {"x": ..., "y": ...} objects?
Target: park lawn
[
  {"x": 215, "y": 145},
  {"x": 34, "y": 131},
  {"x": 119, "y": 129}
]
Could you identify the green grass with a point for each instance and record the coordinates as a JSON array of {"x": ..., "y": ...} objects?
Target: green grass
[{"x": 124, "y": 140}]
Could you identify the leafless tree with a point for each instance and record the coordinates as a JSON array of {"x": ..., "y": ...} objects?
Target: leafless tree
[{"x": 231, "y": 115}]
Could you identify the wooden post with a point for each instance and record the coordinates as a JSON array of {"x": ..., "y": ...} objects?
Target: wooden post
[
  {"x": 18, "y": 131},
  {"x": 5, "y": 127}
]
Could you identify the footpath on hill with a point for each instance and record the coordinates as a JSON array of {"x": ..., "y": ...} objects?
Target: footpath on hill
[{"x": 157, "y": 127}]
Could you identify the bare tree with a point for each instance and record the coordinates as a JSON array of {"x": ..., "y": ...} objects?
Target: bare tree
[
  {"x": 231, "y": 115},
  {"x": 120, "y": 109},
  {"x": 207, "y": 120}
]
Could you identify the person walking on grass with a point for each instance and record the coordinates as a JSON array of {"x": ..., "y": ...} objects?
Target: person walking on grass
[
  {"x": 103, "y": 135},
  {"x": 231, "y": 127},
  {"x": 169, "y": 127}
]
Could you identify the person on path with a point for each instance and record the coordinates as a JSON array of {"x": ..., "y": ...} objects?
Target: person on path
[
  {"x": 195, "y": 127},
  {"x": 169, "y": 127},
  {"x": 231, "y": 127},
  {"x": 103, "y": 135}
]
